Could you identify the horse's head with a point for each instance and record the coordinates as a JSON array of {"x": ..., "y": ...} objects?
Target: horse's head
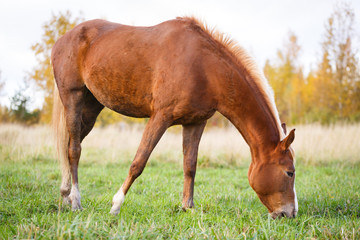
[{"x": 272, "y": 177}]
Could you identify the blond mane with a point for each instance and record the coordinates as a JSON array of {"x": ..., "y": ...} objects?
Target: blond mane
[{"x": 244, "y": 58}]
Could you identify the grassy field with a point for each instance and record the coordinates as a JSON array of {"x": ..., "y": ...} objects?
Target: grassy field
[{"x": 327, "y": 183}]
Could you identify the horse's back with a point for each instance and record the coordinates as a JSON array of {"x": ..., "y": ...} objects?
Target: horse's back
[{"x": 134, "y": 70}]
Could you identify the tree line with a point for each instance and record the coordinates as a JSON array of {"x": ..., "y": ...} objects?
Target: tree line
[{"x": 329, "y": 92}]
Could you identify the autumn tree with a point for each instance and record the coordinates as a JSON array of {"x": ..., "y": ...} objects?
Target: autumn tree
[
  {"x": 337, "y": 76},
  {"x": 42, "y": 74},
  {"x": 286, "y": 77},
  {"x": 331, "y": 91}
]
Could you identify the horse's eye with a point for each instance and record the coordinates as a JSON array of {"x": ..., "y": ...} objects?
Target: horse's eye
[{"x": 290, "y": 174}]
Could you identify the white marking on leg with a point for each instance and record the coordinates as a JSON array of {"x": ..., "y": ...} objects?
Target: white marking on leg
[
  {"x": 117, "y": 201},
  {"x": 65, "y": 189},
  {"x": 75, "y": 197},
  {"x": 65, "y": 186}
]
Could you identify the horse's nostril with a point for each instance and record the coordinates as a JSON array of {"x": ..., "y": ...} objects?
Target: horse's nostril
[{"x": 278, "y": 215}]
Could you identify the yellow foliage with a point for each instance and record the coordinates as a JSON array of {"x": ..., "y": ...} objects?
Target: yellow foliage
[
  {"x": 286, "y": 78},
  {"x": 329, "y": 93},
  {"x": 42, "y": 74}
]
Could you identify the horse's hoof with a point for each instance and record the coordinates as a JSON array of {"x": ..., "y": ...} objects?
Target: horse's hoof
[
  {"x": 117, "y": 201},
  {"x": 188, "y": 204},
  {"x": 66, "y": 201},
  {"x": 188, "y": 209},
  {"x": 115, "y": 210},
  {"x": 77, "y": 208}
]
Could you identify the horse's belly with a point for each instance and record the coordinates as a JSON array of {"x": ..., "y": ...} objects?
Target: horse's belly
[
  {"x": 123, "y": 96},
  {"x": 119, "y": 80},
  {"x": 128, "y": 108}
]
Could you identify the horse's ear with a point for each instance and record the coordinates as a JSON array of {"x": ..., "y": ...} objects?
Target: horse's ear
[
  {"x": 283, "y": 125},
  {"x": 286, "y": 142}
]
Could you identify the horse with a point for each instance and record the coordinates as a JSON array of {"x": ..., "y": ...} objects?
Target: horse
[{"x": 179, "y": 72}]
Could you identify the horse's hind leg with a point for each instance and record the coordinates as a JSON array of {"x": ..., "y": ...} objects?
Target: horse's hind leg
[
  {"x": 191, "y": 138},
  {"x": 90, "y": 110},
  {"x": 73, "y": 103},
  {"x": 80, "y": 118},
  {"x": 155, "y": 128}
]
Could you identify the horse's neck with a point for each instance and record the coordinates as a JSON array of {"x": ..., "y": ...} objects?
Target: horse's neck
[{"x": 245, "y": 106}]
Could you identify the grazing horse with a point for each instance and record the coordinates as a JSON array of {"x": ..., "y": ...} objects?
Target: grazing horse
[{"x": 177, "y": 72}]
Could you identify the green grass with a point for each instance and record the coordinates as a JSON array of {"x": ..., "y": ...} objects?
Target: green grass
[{"x": 226, "y": 206}]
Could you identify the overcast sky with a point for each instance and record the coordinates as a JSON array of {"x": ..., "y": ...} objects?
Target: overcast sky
[{"x": 260, "y": 26}]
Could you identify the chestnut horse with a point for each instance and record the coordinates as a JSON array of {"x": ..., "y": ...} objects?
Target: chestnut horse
[{"x": 177, "y": 72}]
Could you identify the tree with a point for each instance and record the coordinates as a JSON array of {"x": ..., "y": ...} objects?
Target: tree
[
  {"x": 331, "y": 91},
  {"x": 338, "y": 74},
  {"x": 286, "y": 78},
  {"x": 19, "y": 109},
  {"x": 4, "y": 111},
  {"x": 42, "y": 74}
]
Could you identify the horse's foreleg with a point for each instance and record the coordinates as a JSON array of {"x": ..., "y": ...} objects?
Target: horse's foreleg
[
  {"x": 191, "y": 138},
  {"x": 155, "y": 128}
]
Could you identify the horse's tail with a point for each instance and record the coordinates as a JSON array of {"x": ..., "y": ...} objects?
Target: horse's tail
[{"x": 61, "y": 134}]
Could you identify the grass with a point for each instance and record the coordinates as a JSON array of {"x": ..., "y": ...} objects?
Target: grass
[{"x": 226, "y": 207}]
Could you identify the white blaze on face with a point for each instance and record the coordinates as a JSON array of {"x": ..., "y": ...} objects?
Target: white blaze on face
[
  {"x": 296, "y": 201},
  {"x": 290, "y": 209},
  {"x": 295, "y": 197}
]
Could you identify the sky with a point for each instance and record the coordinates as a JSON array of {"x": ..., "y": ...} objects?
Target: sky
[{"x": 260, "y": 26}]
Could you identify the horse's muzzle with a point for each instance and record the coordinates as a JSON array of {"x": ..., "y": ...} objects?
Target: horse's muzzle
[{"x": 280, "y": 214}]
